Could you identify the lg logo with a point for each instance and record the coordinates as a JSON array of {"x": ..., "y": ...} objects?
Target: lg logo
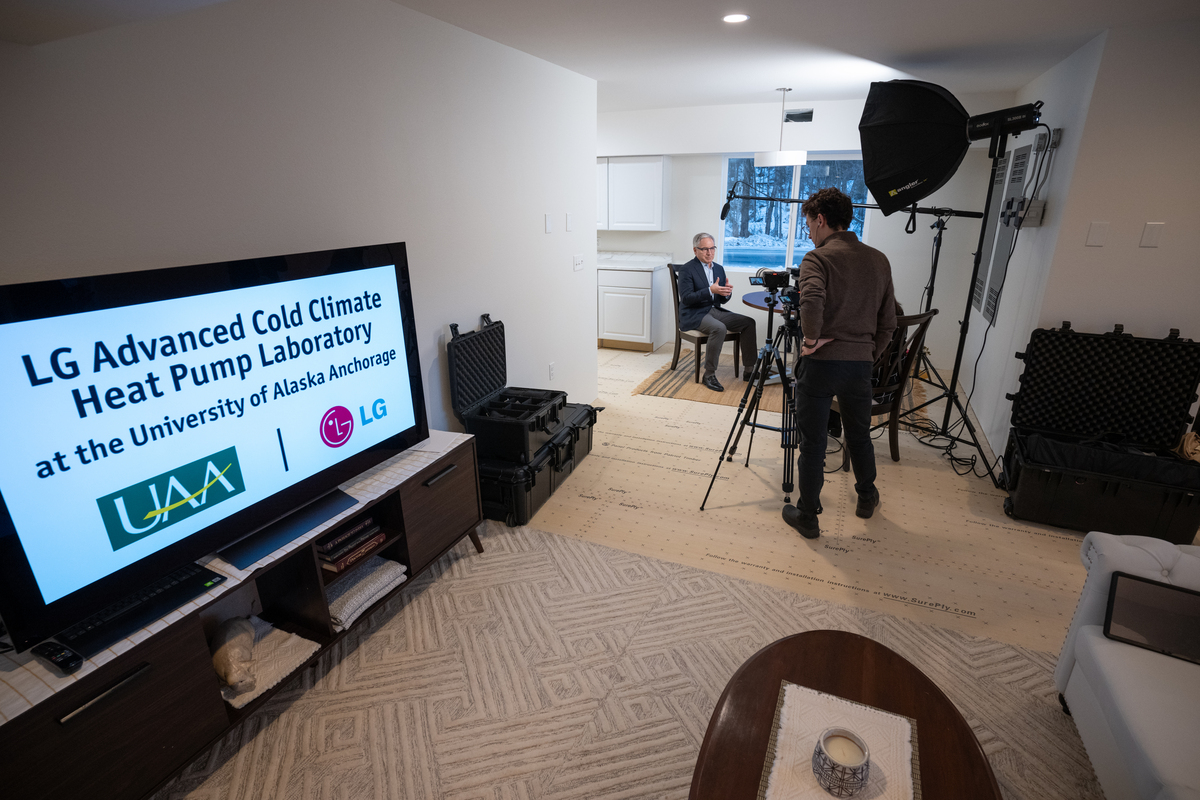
[
  {"x": 338, "y": 422},
  {"x": 336, "y": 426}
]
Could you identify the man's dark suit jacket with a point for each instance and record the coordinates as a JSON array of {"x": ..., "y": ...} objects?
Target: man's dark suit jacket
[{"x": 694, "y": 297}]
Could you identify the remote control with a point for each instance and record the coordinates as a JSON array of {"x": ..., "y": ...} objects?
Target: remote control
[{"x": 64, "y": 659}]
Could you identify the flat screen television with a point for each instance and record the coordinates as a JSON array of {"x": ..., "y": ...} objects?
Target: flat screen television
[{"x": 155, "y": 417}]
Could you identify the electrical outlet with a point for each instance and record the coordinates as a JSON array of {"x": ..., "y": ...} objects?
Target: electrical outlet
[
  {"x": 551, "y": 370},
  {"x": 577, "y": 263}
]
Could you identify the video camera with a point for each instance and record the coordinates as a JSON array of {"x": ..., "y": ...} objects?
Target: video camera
[{"x": 770, "y": 279}]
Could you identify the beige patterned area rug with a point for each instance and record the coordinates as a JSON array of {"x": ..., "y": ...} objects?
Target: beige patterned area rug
[{"x": 549, "y": 667}]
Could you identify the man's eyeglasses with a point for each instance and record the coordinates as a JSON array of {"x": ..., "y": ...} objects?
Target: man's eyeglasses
[{"x": 707, "y": 249}]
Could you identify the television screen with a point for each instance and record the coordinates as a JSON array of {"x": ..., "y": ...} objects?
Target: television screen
[{"x": 157, "y": 416}]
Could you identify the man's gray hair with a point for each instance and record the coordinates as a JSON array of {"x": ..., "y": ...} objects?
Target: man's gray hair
[{"x": 702, "y": 236}]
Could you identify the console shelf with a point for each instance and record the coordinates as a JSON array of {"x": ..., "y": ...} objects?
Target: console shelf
[{"x": 139, "y": 712}]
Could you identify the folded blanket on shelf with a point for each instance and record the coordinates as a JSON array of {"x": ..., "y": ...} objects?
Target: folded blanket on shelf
[
  {"x": 359, "y": 590},
  {"x": 276, "y": 655}
]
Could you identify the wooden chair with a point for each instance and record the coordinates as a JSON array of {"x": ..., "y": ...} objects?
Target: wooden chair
[
  {"x": 890, "y": 376},
  {"x": 696, "y": 337}
]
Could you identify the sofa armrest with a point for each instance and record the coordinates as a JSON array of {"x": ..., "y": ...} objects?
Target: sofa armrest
[{"x": 1143, "y": 556}]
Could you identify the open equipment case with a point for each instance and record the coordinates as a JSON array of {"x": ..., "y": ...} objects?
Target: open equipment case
[
  {"x": 1093, "y": 426},
  {"x": 528, "y": 440}
]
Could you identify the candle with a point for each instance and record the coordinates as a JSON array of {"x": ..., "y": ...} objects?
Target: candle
[{"x": 843, "y": 750}]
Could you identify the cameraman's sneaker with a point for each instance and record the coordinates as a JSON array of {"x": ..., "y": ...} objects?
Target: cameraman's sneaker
[
  {"x": 805, "y": 523},
  {"x": 867, "y": 503}
]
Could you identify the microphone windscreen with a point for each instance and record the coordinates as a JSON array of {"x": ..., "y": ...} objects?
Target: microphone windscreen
[{"x": 724, "y": 212}]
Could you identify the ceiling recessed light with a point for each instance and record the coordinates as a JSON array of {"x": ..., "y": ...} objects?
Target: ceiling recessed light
[{"x": 736, "y": 18}]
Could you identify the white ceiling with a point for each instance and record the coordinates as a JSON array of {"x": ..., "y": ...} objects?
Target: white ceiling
[{"x": 664, "y": 53}]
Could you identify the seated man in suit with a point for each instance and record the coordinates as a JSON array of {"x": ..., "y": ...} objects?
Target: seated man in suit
[{"x": 703, "y": 289}]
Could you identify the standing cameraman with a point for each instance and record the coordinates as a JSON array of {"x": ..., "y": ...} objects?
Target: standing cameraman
[{"x": 847, "y": 314}]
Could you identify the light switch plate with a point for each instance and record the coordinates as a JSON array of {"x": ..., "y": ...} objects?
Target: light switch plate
[
  {"x": 1097, "y": 234},
  {"x": 549, "y": 225},
  {"x": 1151, "y": 234},
  {"x": 569, "y": 226}
]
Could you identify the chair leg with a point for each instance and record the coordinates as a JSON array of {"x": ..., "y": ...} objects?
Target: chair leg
[
  {"x": 698, "y": 361},
  {"x": 675, "y": 358},
  {"x": 737, "y": 357}
]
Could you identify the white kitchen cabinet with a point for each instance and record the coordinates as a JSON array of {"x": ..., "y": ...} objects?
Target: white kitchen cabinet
[
  {"x": 638, "y": 190},
  {"x": 634, "y": 300}
]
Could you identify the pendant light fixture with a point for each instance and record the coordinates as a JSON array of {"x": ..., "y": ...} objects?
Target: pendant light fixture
[{"x": 781, "y": 157}]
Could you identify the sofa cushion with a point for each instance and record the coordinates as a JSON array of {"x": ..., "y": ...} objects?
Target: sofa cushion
[{"x": 1152, "y": 704}]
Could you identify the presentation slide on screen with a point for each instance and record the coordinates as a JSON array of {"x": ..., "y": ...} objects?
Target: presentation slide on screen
[{"x": 132, "y": 428}]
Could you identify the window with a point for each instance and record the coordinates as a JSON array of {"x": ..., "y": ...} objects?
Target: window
[
  {"x": 763, "y": 233},
  {"x": 844, "y": 174}
]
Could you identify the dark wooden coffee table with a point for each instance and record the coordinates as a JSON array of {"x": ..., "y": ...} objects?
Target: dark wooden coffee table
[{"x": 847, "y": 665}]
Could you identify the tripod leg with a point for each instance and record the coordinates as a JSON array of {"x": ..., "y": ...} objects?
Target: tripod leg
[
  {"x": 739, "y": 423},
  {"x": 789, "y": 431},
  {"x": 753, "y": 394}
]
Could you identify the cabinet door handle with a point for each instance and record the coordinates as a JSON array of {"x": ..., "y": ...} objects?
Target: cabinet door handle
[
  {"x": 440, "y": 475},
  {"x": 126, "y": 680}
]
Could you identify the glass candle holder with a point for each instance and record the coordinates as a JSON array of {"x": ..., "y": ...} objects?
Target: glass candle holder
[{"x": 841, "y": 762}]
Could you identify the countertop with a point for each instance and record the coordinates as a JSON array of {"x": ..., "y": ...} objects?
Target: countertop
[{"x": 632, "y": 262}]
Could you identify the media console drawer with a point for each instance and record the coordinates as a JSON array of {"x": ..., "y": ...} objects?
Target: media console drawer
[
  {"x": 120, "y": 729},
  {"x": 439, "y": 505}
]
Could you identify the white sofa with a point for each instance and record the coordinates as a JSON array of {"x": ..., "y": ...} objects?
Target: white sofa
[{"x": 1137, "y": 711}]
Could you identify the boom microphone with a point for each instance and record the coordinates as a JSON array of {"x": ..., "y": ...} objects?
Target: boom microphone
[{"x": 725, "y": 208}]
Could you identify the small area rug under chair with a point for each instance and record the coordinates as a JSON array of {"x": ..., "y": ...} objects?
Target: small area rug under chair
[
  {"x": 550, "y": 667},
  {"x": 680, "y": 384}
]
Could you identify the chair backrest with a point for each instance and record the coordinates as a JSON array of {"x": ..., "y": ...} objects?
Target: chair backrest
[
  {"x": 674, "y": 270},
  {"x": 894, "y": 365}
]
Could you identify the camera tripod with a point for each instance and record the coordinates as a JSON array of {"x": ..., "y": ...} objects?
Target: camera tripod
[{"x": 788, "y": 336}]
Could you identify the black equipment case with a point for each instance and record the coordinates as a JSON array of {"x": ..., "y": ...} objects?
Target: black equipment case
[
  {"x": 528, "y": 440},
  {"x": 513, "y": 493},
  {"x": 1093, "y": 426}
]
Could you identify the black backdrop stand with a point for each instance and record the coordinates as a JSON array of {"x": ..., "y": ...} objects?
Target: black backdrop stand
[{"x": 948, "y": 392}]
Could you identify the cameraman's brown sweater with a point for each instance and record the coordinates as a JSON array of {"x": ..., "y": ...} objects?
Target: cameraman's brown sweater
[{"x": 846, "y": 295}]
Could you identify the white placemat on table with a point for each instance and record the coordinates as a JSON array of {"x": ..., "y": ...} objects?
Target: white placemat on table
[{"x": 803, "y": 714}]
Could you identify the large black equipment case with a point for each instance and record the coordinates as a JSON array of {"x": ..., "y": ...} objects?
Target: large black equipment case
[
  {"x": 528, "y": 440},
  {"x": 510, "y": 424},
  {"x": 513, "y": 493},
  {"x": 1093, "y": 424}
]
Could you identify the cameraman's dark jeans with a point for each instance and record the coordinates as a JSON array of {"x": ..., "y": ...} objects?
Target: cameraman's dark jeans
[{"x": 817, "y": 382}]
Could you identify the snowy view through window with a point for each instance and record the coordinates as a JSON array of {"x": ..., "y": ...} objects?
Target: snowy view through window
[{"x": 756, "y": 231}]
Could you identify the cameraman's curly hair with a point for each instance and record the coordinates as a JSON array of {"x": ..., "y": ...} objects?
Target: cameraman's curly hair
[{"x": 837, "y": 208}]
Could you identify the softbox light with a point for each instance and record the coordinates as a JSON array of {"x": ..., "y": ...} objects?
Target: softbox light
[{"x": 914, "y": 137}]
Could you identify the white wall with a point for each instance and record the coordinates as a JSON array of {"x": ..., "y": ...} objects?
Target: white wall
[
  {"x": 1128, "y": 157},
  {"x": 728, "y": 129},
  {"x": 259, "y": 127},
  {"x": 1138, "y": 162},
  {"x": 1066, "y": 91}
]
